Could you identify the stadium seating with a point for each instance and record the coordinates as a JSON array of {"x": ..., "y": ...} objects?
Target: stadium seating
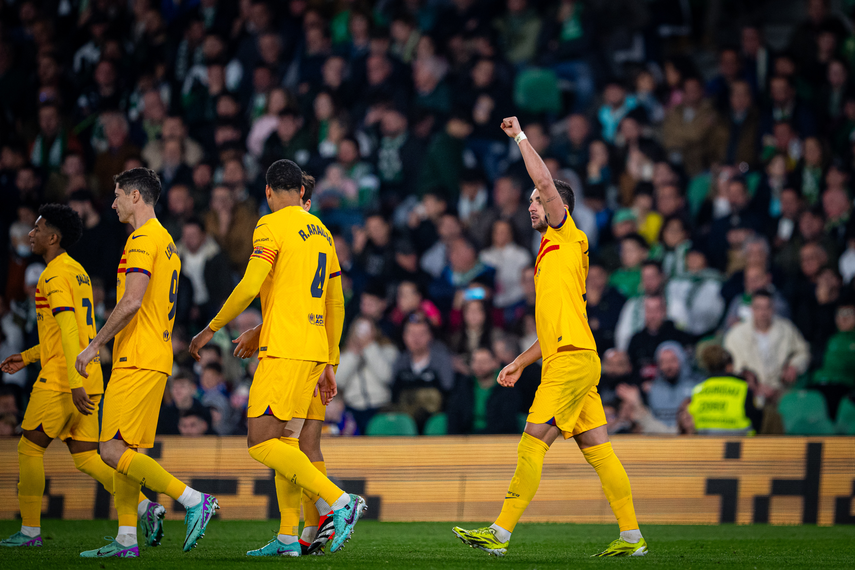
[
  {"x": 536, "y": 91},
  {"x": 392, "y": 424},
  {"x": 804, "y": 413},
  {"x": 437, "y": 425},
  {"x": 846, "y": 417}
]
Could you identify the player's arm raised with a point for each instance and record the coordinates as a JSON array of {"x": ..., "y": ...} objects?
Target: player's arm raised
[
  {"x": 537, "y": 171},
  {"x": 245, "y": 291},
  {"x": 511, "y": 373},
  {"x": 136, "y": 284}
]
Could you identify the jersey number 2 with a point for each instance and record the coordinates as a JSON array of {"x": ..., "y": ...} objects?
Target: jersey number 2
[
  {"x": 317, "y": 287},
  {"x": 173, "y": 293}
]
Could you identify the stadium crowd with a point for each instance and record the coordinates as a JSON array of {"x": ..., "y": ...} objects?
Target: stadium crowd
[{"x": 717, "y": 200}]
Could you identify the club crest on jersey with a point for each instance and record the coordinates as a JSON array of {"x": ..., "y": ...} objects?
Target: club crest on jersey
[
  {"x": 165, "y": 336},
  {"x": 317, "y": 320}
]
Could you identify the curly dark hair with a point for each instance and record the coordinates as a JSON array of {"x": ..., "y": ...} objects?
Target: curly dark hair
[
  {"x": 284, "y": 175},
  {"x": 64, "y": 221}
]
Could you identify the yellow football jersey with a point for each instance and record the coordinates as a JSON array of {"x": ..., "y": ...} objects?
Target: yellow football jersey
[
  {"x": 146, "y": 342},
  {"x": 64, "y": 286},
  {"x": 293, "y": 296},
  {"x": 559, "y": 279}
]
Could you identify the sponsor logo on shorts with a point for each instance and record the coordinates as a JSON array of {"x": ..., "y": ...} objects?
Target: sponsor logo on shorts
[
  {"x": 123, "y": 359},
  {"x": 262, "y": 349},
  {"x": 43, "y": 380}
]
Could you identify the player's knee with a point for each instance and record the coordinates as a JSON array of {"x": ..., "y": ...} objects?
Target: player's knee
[
  {"x": 111, "y": 453},
  {"x": 27, "y": 447}
]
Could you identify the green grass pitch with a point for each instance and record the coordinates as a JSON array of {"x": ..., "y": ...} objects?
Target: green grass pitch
[{"x": 432, "y": 545}]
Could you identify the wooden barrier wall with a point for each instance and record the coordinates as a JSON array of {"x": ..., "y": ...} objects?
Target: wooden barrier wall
[{"x": 685, "y": 480}]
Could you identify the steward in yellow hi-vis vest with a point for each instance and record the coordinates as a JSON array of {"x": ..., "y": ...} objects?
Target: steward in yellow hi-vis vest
[{"x": 719, "y": 405}]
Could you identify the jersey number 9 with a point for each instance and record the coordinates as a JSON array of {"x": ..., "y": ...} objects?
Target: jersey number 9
[{"x": 173, "y": 294}]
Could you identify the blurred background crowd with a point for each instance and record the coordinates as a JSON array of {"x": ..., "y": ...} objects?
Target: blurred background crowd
[{"x": 711, "y": 145}]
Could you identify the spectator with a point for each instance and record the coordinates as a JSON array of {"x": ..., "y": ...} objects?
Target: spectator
[
  {"x": 193, "y": 423},
  {"x": 409, "y": 299},
  {"x": 632, "y": 314},
  {"x": 603, "y": 307},
  {"x": 770, "y": 346},
  {"x": 507, "y": 206},
  {"x": 373, "y": 247},
  {"x": 509, "y": 259},
  {"x": 736, "y": 139},
  {"x": 463, "y": 269},
  {"x": 183, "y": 392},
  {"x": 815, "y": 318},
  {"x": 617, "y": 371},
  {"x": 518, "y": 31},
  {"x": 642, "y": 347},
  {"x": 364, "y": 374},
  {"x": 205, "y": 265},
  {"x": 422, "y": 375},
  {"x": 478, "y": 404},
  {"x": 627, "y": 279},
  {"x": 836, "y": 378},
  {"x": 435, "y": 259},
  {"x": 117, "y": 149},
  {"x": 688, "y": 127},
  {"x": 673, "y": 383},
  {"x": 695, "y": 303},
  {"x": 54, "y": 141},
  {"x": 474, "y": 331},
  {"x": 214, "y": 390},
  {"x": 229, "y": 223},
  {"x": 673, "y": 245},
  {"x": 757, "y": 278}
]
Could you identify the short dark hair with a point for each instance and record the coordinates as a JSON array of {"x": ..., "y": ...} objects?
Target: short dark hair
[
  {"x": 195, "y": 221},
  {"x": 764, "y": 293},
  {"x": 637, "y": 239},
  {"x": 215, "y": 366},
  {"x": 284, "y": 175},
  {"x": 144, "y": 180},
  {"x": 309, "y": 185},
  {"x": 64, "y": 221},
  {"x": 652, "y": 263},
  {"x": 567, "y": 194}
]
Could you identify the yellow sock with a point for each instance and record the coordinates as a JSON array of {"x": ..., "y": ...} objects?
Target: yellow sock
[
  {"x": 147, "y": 472},
  {"x": 615, "y": 483},
  {"x": 90, "y": 462},
  {"x": 31, "y": 483},
  {"x": 288, "y": 496},
  {"x": 530, "y": 454},
  {"x": 311, "y": 516},
  {"x": 291, "y": 463},
  {"x": 126, "y": 492}
]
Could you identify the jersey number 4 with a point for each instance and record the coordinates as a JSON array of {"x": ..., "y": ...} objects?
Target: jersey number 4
[{"x": 317, "y": 287}]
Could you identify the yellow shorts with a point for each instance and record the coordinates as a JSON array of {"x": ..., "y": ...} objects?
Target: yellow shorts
[
  {"x": 283, "y": 388},
  {"x": 567, "y": 396},
  {"x": 54, "y": 414},
  {"x": 317, "y": 409},
  {"x": 132, "y": 406}
]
